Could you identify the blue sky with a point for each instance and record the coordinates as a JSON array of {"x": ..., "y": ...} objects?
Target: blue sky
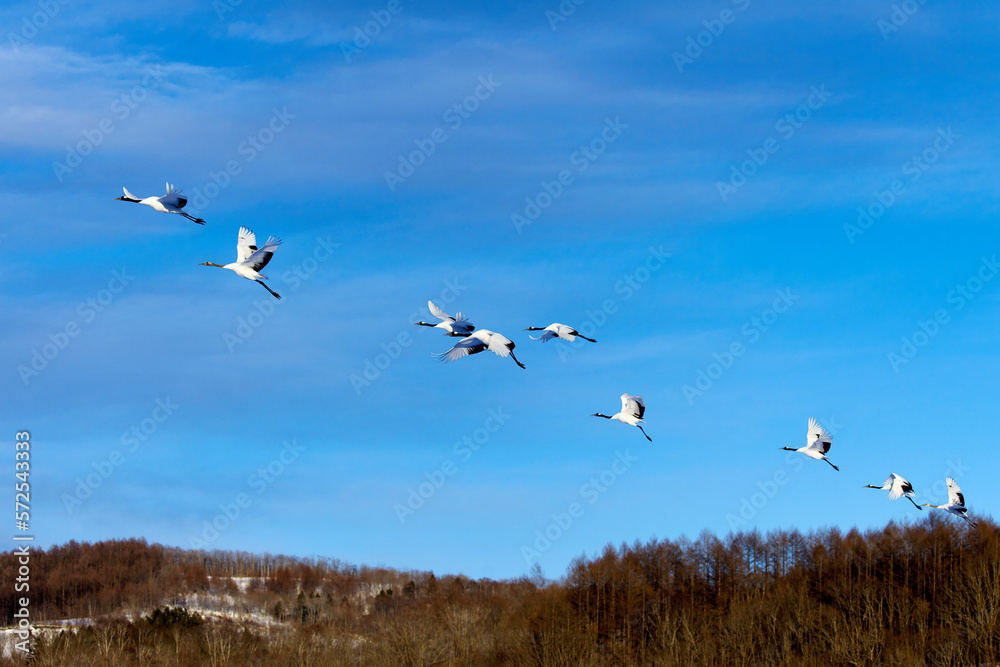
[{"x": 683, "y": 180}]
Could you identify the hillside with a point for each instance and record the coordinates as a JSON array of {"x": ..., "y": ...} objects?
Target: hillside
[{"x": 907, "y": 594}]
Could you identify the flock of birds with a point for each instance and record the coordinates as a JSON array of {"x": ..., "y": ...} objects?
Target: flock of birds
[
  {"x": 250, "y": 259},
  {"x": 477, "y": 340},
  {"x": 818, "y": 443}
]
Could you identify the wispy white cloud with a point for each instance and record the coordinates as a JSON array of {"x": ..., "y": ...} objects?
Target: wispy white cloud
[{"x": 285, "y": 29}]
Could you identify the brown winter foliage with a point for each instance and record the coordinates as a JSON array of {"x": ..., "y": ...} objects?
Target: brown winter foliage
[{"x": 923, "y": 593}]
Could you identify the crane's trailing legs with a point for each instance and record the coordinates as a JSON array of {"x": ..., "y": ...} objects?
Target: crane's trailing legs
[{"x": 275, "y": 294}]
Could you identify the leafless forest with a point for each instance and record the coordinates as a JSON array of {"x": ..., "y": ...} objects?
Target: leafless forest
[{"x": 927, "y": 592}]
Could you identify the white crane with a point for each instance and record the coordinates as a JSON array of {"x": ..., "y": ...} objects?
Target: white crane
[
  {"x": 484, "y": 339},
  {"x": 633, "y": 408},
  {"x": 897, "y": 486},
  {"x": 453, "y": 326},
  {"x": 557, "y": 331},
  {"x": 956, "y": 501},
  {"x": 250, "y": 259},
  {"x": 172, "y": 202},
  {"x": 818, "y": 441}
]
